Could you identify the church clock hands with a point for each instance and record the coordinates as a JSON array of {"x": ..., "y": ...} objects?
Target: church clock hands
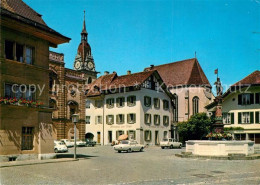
[{"x": 90, "y": 65}]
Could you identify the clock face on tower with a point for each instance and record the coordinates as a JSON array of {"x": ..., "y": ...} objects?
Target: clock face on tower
[
  {"x": 90, "y": 65},
  {"x": 77, "y": 65}
]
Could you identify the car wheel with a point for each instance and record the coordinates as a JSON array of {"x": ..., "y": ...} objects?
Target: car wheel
[
  {"x": 142, "y": 149},
  {"x": 56, "y": 150},
  {"x": 162, "y": 147},
  {"x": 129, "y": 150},
  {"x": 119, "y": 151},
  {"x": 171, "y": 147}
]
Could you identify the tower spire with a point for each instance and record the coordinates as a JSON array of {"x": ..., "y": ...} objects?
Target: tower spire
[{"x": 84, "y": 33}]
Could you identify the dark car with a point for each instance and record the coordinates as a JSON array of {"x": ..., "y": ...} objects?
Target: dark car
[{"x": 90, "y": 142}]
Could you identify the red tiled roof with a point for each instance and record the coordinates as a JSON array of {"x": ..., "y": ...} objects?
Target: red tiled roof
[
  {"x": 252, "y": 79},
  {"x": 20, "y": 8},
  {"x": 112, "y": 81},
  {"x": 185, "y": 72}
]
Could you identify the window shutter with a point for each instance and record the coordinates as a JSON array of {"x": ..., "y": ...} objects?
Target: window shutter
[
  {"x": 107, "y": 119},
  {"x": 239, "y": 117},
  {"x": 128, "y": 100},
  {"x": 113, "y": 119},
  {"x": 96, "y": 120},
  {"x": 117, "y": 118},
  {"x": 240, "y": 99},
  {"x": 257, "y": 98},
  {"x": 252, "y": 98},
  {"x": 134, "y": 118},
  {"x": 123, "y": 118},
  {"x": 134, "y": 100},
  {"x": 256, "y": 117},
  {"x": 251, "y": 117},
  {"x": 128, "y": 118},
  {"x": 232, "y": 118}
]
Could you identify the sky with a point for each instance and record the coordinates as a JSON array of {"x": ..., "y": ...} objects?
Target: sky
[{"x": 133, "y": 34}]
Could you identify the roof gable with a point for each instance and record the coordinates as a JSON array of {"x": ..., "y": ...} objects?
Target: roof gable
[
  {"x": 185, "y": 72},
  {"x": 252, "y": 79}
]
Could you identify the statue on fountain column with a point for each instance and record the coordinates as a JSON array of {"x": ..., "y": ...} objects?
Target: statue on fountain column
[{"x": 218, "y": 125}]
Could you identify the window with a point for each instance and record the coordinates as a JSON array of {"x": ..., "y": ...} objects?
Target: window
[
  {"x": 120, "y": 119},
  {"x": 240, "y": 136},
  {"x": 9, "y": 50},
  {"x": 88, "y": 104},
  {"x": 131, "y": 101},
  {"x": 20, "y": 91},
  {"x": 195, "y": 105},
  {"x": 98, "y": 103},
  {"x": 110, "y": 119},
  {"x": 175, "y": 109},
  {"x": 228, "y": 118},
  {"x": 120, "y": 102},
  {"x": 245, "y": 117},
  {"x": 246, "y": 99},
  {"x": 89, "y": 80},
  {"x": 257, "y": 117},
  {"x": 166, "y": 120},
  {"x": 165, "y": 104},
  {"x": 157, "y": 119},
  {"x": 131, "y": 118},
  {"x": 27, "y": 138},
  {"x": 165, "y": 135},
  {"x": 156, "y": 102},
  {"x": 257, "y": 98},
  {"x": 147, "y": 135},
  {"x": 131, "y": 134},
  {"x": 72, "y": 111},
  {"x": 110, "y": 103},
  {"x": 119, "y": 133},
  {"x": 29, "y": 55},
  {"x": 147, "y": 101},
  {"x": 99, "y": 120},
  {"x": 87, "y": 119},
  {"x": 19, "y": 52},
  {"x": 147, "y": 118}
]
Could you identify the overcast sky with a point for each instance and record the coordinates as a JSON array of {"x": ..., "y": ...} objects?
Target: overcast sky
[{"x": 131, "y": 35}]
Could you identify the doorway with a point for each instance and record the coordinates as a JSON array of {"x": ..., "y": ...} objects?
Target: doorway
[
  {"x": 110, "y": 136},
  {"x": 157, "y": 137},
  {"x": 98, "y": 137}
]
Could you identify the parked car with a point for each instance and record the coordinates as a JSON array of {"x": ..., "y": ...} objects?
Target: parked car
[
  {"x": 79, "y": 142},
  {"x": 68, "y": 142},
  {"x": 90, "y": 143},
  {"x": 128, "y": 146},
  {"x": 170, "y": 143},
  {"x": 60, "y": 146}
]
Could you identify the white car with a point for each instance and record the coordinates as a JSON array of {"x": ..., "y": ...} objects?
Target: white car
[
  {"x": 170, "y": 143},
  {"x": 68, "y": 142},
  {"x": 79, "y": 142},
  {"x": 128, "y": 146},
  {"x": 59, "y": 146}
]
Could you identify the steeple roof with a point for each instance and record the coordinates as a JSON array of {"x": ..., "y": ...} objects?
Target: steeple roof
[{"x": 84, "y": 31}]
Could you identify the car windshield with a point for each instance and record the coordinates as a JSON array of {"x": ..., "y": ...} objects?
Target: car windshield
[
  {"x": 165, "y": 139},
  {"x": 124, "y": 142},
  {"x": 61, "y": 143}
]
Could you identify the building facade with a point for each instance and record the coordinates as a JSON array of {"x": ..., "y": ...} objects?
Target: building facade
[
  {"x": 241, "y": 108},
  {"x": 190, "y": 88},
  {"x": 66, "y": 89},
  {"x": 26, "y": 127},
  {"x": 132, "y": 104}
]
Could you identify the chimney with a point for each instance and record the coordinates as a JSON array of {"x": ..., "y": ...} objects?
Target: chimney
[
  {"x": 151, "y": 66},
  {"x": 128, "y": 72},
  {"x": 106, "y": 73}
]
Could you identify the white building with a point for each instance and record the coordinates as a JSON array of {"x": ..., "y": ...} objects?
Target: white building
[{"x": 133, "y": 104}]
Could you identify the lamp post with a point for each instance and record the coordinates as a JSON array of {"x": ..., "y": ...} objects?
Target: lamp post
[{"x": 75, "y": 120}]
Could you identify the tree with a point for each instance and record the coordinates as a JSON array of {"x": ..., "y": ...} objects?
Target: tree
[{"x": 198, "y": 126}]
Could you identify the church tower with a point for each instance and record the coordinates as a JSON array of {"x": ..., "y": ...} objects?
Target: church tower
[{"x": 84, "y": 61}]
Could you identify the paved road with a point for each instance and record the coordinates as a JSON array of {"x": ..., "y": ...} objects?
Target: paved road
[{"x": 101, "y": 165}]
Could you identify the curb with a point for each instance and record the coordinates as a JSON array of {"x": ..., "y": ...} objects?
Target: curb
[
  {"x": 251, "y": 157},
  {"x": 32, "y": 162}
]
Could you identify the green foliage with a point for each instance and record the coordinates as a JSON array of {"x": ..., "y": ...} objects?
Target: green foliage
[
  {"x": 233, "y": 128},
  {"x": 195, "y": 128}
]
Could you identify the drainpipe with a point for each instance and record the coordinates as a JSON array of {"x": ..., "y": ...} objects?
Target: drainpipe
[{"x": 103, "y": 121}]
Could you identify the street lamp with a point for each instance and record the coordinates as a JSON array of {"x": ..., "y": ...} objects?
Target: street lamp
[{"x": 75, "y": 120}]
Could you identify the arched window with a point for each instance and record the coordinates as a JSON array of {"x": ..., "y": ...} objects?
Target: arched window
[
  {"x": 72, "y": 107},
  {"x": 175, "y": 110},
  {"x": 195, "y": 105},
  {"x": 89, "y": 80}
]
